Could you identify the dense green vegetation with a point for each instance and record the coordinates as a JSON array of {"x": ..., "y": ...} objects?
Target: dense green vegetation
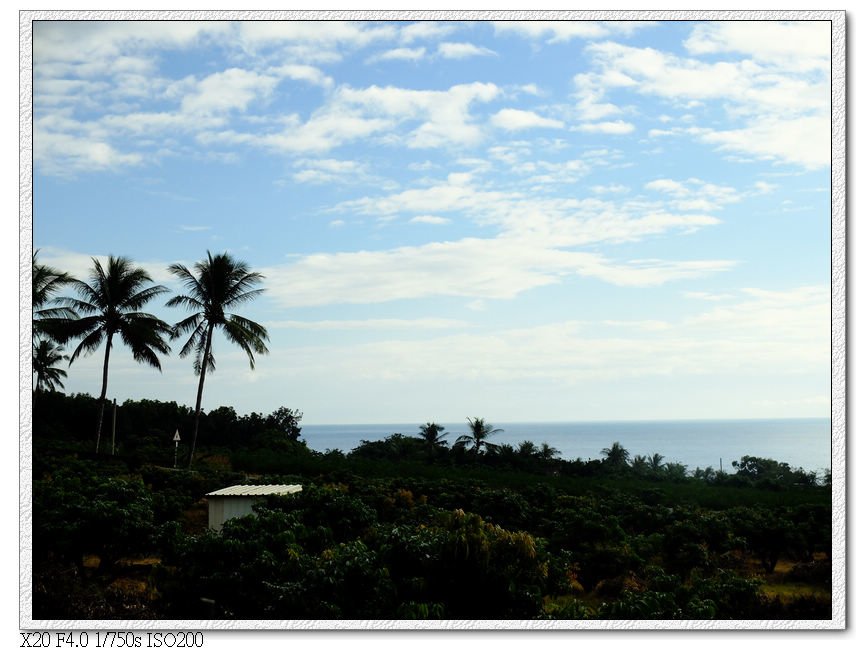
[{"x": 408, "y": 527}]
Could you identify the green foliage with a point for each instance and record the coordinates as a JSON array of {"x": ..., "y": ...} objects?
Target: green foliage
[
  {"x": 393, "y": 531},
  {"x": 768, "y": 473},
  {"x": 75, "y": 514}
]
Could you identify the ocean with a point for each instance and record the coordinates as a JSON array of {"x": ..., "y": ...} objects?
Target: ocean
[{"x": 804, "y": 443}]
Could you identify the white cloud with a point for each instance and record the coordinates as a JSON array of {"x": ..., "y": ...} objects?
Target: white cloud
[
  {"x": 95, "y": 42},
  {"x": 430, "y": 219},
  {"x": 695, "y": 194},
  {"x": 63, "y": 154},
  {"x": 545, "y": 221},
  {"x": 805, "y": 141},
  {"x": 775, "y": 113},
  {"x": 705, "y": 295},
  {"x": 754, "y": 338},
  {"x": 796, "y": 45},
  {"x": 590, "y": 92},
  {"x": 449, "y": 50},
  {"x": 512, "y": 119},
  {"x": 559, "y": 31},
  {"x": 322, "y": 34},
  {"x": 612, "y": 188},
  {"x": 452, "y": 195},
  {"x": 618, "y": 127},
  {"x": 399, "y": 54},
  {"x": 425, "y": 30},
  {"x": 233, "y": 89},
  {"x": 328, "y": 170},
  {"x": 371, "y": 324},
  {"x": 569, "y": 171},
  {"x": 445, "y": 114},
  {"x": 422, "y": 166},
  {"x": 757, "y": 340},
  {"x": 803, "y": 313},
  {"x": 499, "y": 268},
  {"x": 307, "y": 73},
  {"x": 762, "y": 187},
  {"x": 325, "y": 130}
]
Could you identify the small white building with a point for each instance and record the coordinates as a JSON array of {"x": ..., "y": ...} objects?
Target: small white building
[{"x": 237, "y": 500}]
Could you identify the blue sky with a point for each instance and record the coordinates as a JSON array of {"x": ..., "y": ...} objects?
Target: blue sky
[{"x": 518, "y": 221}]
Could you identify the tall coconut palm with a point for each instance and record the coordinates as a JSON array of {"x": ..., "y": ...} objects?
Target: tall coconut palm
[
  {"x": 46, "y": 356},
  {"x": 477, "y": 439},
  {"x": 216, "y": 285},
  {"x": 431, "y": 434},
  {"x": 110, "y": 305}
]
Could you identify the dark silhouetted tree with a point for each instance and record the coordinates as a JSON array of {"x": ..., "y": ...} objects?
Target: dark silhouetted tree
[
  {"x": 214, "y": 286},
  {"x": 431, "y": 434},
  {"x": 46, "y": 356},
  {"x": 110, "y": 305},
  {"x": 477, "y": 440}
]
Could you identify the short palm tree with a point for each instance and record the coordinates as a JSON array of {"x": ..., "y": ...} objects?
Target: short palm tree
[
  {"x": 616, "y": 455},
  {"x": 640, "y": 464},
  {"x": 46, "y": 356},
  {"x": 656, "y": 462},
  {"x": 477, "y": 439},
  {"x": 431, "y": 434},
  {"x": 216, "y": 285},
  {"x": 547, "y": 452},
  {"x": 110, "y": 305},
  {"x": 527, "y": 448}
]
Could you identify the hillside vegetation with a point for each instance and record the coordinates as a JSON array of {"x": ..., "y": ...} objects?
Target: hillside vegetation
[{"x": 409, "y": 527}]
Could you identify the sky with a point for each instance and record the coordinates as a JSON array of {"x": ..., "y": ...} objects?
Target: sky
[{"x": 522, "y": 221}]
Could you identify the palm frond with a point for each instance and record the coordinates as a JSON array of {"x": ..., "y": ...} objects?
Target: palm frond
[{"x": 88, "y": 344}]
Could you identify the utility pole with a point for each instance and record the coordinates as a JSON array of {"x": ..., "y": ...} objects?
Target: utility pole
[{"x": 113, "y": 426}]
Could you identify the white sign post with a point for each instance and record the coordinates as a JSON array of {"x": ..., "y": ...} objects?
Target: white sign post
[{"x": 176, "y": 442}]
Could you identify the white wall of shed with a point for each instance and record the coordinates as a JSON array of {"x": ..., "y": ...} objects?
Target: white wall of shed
[{"x": 221, "y": 509}]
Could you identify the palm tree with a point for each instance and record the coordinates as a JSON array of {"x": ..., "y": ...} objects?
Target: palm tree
[
  {"x": 217, "y": 284},
  {"x": 47, "y": 281},
  {"x": 431, "y": 434},
  {"x": 46, "y": 355},
  {"x": 616, "y": 455},
  {"x": 110, "y": 305},
  {"x": 527, "y": 449},
  {"x": 480, "y": 431},
  {"x": 548, "y": 453},
  {"x": 656, "y": 462}
]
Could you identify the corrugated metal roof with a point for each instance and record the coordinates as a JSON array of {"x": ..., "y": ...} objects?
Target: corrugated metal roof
[{"x": 254, "y": 490}]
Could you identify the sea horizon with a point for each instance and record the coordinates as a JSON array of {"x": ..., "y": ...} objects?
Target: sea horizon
[{"x": 703, "y": 442}]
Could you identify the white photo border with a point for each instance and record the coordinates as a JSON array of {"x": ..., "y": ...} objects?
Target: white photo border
[{"x": 838, "y": 324}]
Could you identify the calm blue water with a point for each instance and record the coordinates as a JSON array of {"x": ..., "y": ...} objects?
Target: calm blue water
[{"x": 802, "y": 443}]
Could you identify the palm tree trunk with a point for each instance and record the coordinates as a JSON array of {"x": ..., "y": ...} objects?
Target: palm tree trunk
[
  {"x": 201, "y": 376},
  {"x": 104, "y": 389}
]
